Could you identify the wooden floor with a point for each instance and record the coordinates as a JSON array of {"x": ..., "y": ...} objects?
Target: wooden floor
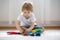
[{"x": 14, "y": 28}]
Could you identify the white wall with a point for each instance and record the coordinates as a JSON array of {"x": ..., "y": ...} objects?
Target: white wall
[
  {"x": 4, "y": 10},
  {"x": 52, "y": 10}
]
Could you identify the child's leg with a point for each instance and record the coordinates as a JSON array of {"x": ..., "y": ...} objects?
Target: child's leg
[
  {"x": 20, "y": 29},
  {"x": 24, "y": 29}
]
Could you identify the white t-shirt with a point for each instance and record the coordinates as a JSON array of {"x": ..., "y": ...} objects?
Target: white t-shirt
[{"x": 24, "y": 21}]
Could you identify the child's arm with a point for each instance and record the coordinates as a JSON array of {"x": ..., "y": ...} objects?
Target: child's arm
[
  {"x": 18, "y": 26},
  {"x": 31, "y": 25}
]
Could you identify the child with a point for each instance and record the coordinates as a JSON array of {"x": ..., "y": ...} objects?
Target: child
[{"x": 26, "y": 21}]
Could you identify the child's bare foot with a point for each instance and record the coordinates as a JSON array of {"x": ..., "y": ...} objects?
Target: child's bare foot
[{"x": 21, "y": 31}]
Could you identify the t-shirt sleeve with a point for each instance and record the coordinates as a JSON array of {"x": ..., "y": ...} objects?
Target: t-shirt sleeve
[
  {"x": 19, "y": 18},
  {"x": 33, "y": 19}
]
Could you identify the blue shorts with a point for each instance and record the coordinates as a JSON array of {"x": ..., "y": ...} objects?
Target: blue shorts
[{"x": 35, "y": 27}]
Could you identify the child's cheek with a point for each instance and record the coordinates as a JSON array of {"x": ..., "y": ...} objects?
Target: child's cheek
[{"x": 30, "y": 14}]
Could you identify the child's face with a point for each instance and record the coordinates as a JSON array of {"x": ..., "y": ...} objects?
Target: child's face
[{"x": 27, "y": 13}]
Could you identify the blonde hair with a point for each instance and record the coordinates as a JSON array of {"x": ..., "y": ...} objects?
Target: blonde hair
[{"x": 27, "y": 6}]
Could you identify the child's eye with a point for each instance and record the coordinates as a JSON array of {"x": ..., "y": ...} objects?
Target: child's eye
[{"x": 24, "y": 12}]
